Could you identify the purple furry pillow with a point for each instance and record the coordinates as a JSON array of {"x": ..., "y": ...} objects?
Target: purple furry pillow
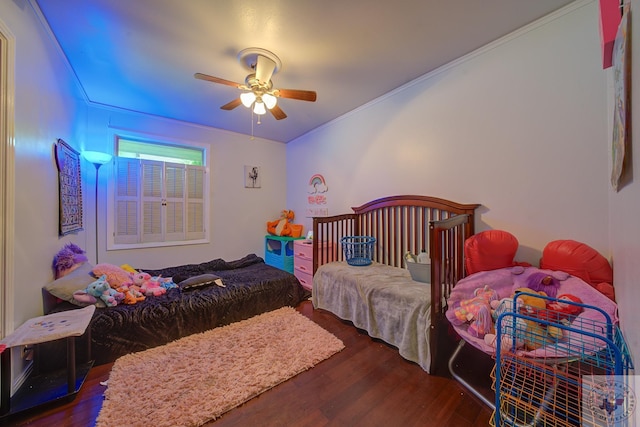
[{"x": 69, "y": 258}]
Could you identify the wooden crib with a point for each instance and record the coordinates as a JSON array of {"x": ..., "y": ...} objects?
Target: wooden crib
[{"x": 400, "y": 224}]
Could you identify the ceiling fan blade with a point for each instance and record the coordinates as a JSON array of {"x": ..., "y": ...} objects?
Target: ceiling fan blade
[
  {"x": 303, "y": 95},
  {"x": 264, "y": 69},
  {"x": 231, "y": 105},
  {"x": 216, "y": 80},
  {"x": 278, "y": 113}
]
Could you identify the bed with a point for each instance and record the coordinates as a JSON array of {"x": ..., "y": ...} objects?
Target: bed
[
  {"x": 382, "y": 298},
  {"x": 250, "y": 287}
]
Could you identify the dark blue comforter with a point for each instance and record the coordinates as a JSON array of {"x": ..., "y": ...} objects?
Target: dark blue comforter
[{"x": 251, "y": 287}]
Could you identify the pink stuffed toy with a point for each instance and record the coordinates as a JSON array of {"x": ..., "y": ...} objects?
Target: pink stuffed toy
[
  {"x": 476, "y": 311},
  {"x": 148, "y": 286},
  {"x": 116, "y": 276}
]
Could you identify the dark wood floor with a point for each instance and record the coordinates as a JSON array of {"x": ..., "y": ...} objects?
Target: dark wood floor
[{"x": 366, "y": 384}]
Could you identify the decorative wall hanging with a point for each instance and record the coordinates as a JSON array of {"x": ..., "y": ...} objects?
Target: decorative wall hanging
[
  {"x": 317, "y": 199},
  {"x": 252, "y": 176},
  {"x": 621, "y": 123},
  {"x": 70, "y": 188}
]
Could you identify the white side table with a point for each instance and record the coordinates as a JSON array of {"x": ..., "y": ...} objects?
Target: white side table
[{"x": 37, "y": 391}]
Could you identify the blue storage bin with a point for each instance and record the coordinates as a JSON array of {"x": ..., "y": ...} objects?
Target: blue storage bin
[{"x": 279, "y": 252}]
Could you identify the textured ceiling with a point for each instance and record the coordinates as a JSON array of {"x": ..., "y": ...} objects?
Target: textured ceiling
[{"x": 141, "y": 55}]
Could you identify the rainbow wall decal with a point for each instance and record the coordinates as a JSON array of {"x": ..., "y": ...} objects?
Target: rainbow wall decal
[{"x": 317, "y": 184}]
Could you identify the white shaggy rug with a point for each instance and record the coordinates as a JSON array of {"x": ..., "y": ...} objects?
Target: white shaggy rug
[{"x": 200, "y": 377}]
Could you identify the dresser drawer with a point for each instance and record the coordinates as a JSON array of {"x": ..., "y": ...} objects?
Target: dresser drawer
[
  {"x": 303, "y": 249},
  {"x": 303, "y": 264},
  {"x": 306, "y": 279}
]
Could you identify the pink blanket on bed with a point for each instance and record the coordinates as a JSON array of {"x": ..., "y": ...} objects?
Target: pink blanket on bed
[{"x": 505, "y": 281}]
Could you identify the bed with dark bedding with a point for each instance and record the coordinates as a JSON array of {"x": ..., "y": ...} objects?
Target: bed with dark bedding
[{"x": 250, "y": 287}]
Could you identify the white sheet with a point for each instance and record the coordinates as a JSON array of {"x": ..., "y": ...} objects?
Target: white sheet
[{"x": 382, "y": 300}]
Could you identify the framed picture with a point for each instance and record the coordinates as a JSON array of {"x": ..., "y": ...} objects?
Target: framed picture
[
  {"x": 620, "y": 149},
  {"x": 252, "y": 176},
  {"x": 69, "y": 188}
]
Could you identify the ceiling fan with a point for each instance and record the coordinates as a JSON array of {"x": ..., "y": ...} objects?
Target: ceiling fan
[{"x": 260, "y": 95}]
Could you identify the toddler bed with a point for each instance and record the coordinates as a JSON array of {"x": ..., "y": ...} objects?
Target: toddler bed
[
  {"x": 251, "y": 287},
  {"x": 382, "y": 298}
]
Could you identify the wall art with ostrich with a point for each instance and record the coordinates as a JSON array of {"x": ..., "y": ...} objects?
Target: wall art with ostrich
[{"x": 252, "y": 176}]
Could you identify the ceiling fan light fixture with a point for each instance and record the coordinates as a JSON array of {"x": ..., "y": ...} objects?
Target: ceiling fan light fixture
[
  {"x": 269, "y": 100},
  {"x": 259, "y": 108},
  {"x": 247, "y": 99}
]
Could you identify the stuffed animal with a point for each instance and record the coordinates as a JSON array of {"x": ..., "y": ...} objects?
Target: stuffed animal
[
  {"x": 531, "y": 305},
  {"x": 476, "y": 311},
  {"x": 69, "y": 258},
  {"x": 526, "y": 334},
  {"x": 537, "y": 334},
  {"x": 165, "y": 282},
  {"x": 128, "y": 269},
  {"x": 512, "y": 335},
  {"x": 116, "y": 276},
  {"x": 99, "y": 289},
  {"x": 505, "y": 305},
  {"x": 283, "y": 226},
  {"x": 562, "y": 309},
  {"x": 131, "y": 294},
  {"x": 147, "y": 286},
  {"x": 544, "y": 282}
]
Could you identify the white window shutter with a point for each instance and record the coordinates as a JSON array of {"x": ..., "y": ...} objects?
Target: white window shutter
[
  {"x": 152, "y": 201},
  {"x": 159, "y": 202},
  {"x": 175, "y": 201},
  {"x": 127, "y": 201},
  {"x": 196, "y": 189}
]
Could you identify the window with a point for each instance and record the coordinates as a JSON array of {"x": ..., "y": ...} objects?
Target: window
[{"x": 160, "y": 194}]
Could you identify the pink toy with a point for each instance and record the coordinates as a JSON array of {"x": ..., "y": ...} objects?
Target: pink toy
[
  {"x": 482, "y": 324},
  {"x": 148, "y": 286},
  {"x": 116, "y": 276},
  {"x": 476, "y": 311}
]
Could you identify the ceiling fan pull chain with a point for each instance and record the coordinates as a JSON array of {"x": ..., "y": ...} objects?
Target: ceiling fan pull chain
[{"x": 252, "y": 124}]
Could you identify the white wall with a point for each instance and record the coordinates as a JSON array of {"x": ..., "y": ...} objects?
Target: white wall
[
  {"x": 49, "y": 105},
  {"x": 519, "y": 126},
  {"x": 522, "y": 126},
  {"x": 238, "y": 214},
  {"x": 625, "y": 211}
]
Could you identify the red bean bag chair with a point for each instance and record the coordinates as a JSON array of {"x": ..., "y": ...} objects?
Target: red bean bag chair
[
  {"x": 489, "y": 250},
  {"x": 580, "y": 260}
]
